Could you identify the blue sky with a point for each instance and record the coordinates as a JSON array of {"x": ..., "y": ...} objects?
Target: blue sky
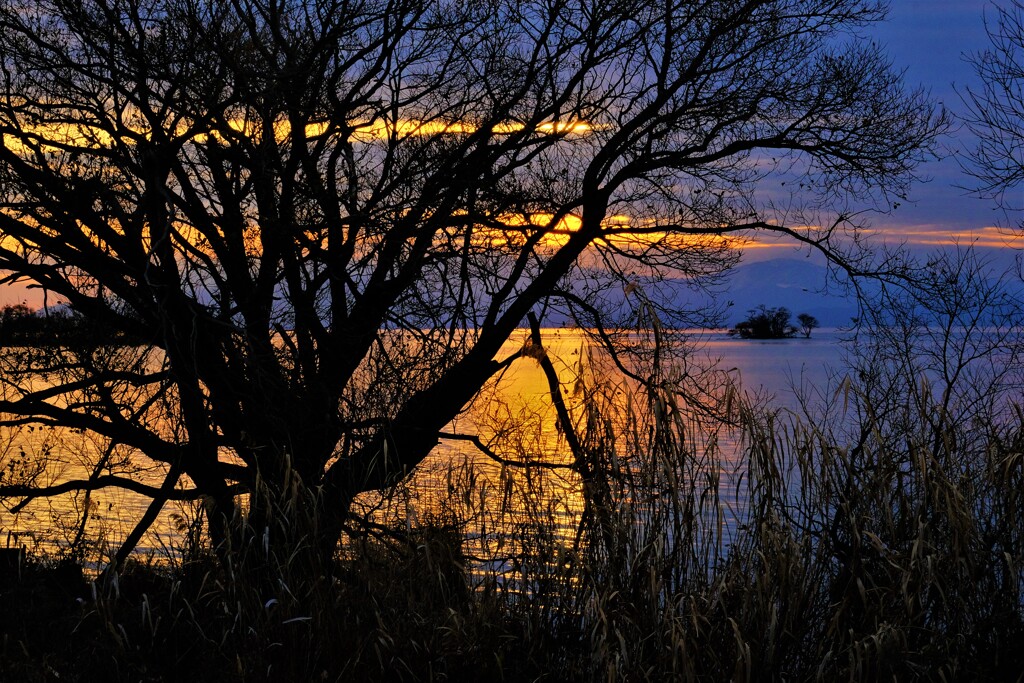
[{"x": 931, "y": 38}]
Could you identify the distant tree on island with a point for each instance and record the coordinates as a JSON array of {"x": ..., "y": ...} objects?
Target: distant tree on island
[
  {"x": 807, "y": 323},
  {"x": 18, "y": 323},
  {"x": 21, "y": 325},
  {"x": 12, "y": 313},
  {"x": 772, "y": 323}
]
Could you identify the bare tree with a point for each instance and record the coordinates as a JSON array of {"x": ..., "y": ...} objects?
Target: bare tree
[
  {"x": 995, "y": 112},
  {"x": 807, "y": 323},
  {"x": 324, "y": 218}
]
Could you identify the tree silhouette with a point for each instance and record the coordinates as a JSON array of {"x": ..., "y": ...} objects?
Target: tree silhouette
[
  {"x": 14, "y": 321},
  {"x": 807, "y": 323},
  {"x": 323, "y": 220},
  {"x": 995, "y": 112},
  {"x": 765, "y": 323}
]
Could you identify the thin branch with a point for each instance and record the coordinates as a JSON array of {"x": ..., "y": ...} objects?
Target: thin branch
[
  {"x": 507, "y": 462},
  {"x": 31, "y": 493}
]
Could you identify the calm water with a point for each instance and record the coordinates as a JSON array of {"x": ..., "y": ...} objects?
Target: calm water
[
  {"x": 775, "y": 368},
  {"x": 779, "y": 367}
]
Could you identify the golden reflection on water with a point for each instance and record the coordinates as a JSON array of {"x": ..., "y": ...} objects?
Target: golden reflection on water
[
  {"x": 48, "y": 524},
  {"x": 498, "y": 505},
  {"x": 514, "y": 416}
]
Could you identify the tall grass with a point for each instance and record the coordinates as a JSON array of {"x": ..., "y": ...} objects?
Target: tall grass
[{"x": 876, "y": 536}]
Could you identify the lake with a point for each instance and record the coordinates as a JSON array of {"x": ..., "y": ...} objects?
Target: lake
[
  {"x": 514, "y": 417},
  {"x": 517, "y": 420}
]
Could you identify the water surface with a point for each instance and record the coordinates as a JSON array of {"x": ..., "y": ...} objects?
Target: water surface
[{"x": 514, "y": 417}]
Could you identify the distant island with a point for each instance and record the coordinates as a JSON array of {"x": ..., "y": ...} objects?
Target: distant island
[
  {"x": 773, "y": 323},
  {"x": 21, "y": 325}
]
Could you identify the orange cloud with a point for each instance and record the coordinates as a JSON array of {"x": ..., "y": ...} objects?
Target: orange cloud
[{"x": 988, "y": 236}]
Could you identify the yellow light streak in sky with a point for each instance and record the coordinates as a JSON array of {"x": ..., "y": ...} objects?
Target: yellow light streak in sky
[
  {"x": 380, "y": 130},
  {"x": 989, "y": 236},
  {"x": 54, "y": 136},
  {"x": 620, "y": 232}
]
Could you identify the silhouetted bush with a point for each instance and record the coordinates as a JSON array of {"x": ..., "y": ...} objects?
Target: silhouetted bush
[
  {"x": 765, "y": 323},
  {"x": 23, "y": 326}
]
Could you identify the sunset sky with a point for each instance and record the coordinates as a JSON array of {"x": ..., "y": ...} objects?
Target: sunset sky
[{"x": 930, "y": 38}]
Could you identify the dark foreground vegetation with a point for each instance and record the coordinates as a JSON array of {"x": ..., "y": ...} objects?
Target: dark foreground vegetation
[
  {"x": 21, "y": 325},
  {"x": 882, "y": 540},
  {"x": 263, "y": 193}
]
